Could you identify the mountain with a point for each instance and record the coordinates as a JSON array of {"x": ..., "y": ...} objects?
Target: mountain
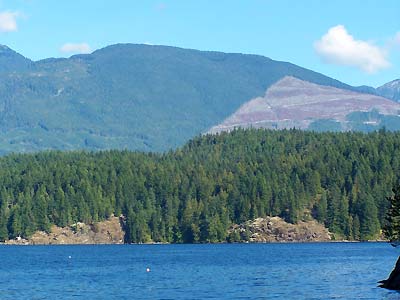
[
  {"x": 292, "y": 102},
  {"x": 127, "y": 96},
  {"x": 390, "y": 90},
  {"x": 11, "y": 61}
]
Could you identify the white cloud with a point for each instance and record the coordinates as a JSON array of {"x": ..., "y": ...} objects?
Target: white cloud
[
  {"x": 8, "y": 21},
  {"x": 337, "y": 46},
  {"x": 81, "y": 48}
]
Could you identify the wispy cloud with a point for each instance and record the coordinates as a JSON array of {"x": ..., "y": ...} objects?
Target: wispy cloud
[
  {"x": 8, "y": 21},
  {"x": 337, "y": 46},
  {"x": 77, "y": 48}
]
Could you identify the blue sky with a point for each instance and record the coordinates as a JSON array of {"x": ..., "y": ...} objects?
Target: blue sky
[{"x": 357, "y": 42}]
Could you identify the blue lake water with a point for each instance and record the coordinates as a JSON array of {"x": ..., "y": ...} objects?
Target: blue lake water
[{"x": 221, "y": 271}]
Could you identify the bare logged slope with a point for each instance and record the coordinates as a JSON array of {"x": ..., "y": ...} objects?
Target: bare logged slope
[{"x": 292, "y": 102}]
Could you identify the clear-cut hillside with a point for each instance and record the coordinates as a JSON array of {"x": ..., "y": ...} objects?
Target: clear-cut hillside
[{"x": 292, "y": 102}]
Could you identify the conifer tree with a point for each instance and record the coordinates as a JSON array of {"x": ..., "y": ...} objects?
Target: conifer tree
[
  {"x": 392, "y": 228},
  {"x": 3, "y": 220}
]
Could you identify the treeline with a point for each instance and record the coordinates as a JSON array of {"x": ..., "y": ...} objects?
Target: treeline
[{"x": 195, "y": 193}]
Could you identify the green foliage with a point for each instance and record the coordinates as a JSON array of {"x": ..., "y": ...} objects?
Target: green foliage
[
  {"x": 371, "y": 121},
  {"x": 195, "y": 193},
  {"x": 139, "y": 97},
  {"x": 325, "y": 125},
  {"x": 392, "y": 228}
]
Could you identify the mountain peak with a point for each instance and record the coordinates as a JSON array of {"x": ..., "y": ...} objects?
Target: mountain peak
[
  {"x": 394, "y": 83},
  {"x": 390, "y": 90},
  {"x": 4, "y": 47},
  {"x": 11, "y": 61},
  {"x": 5, "y": 50},
  {"x": 8, "y": 51}
]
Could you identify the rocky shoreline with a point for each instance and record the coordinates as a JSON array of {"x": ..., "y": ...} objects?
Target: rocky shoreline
[
  {"x": 276, "y": 230},
  {"x": 111, "y": 231},
  {"x": 105, "y": 232}
]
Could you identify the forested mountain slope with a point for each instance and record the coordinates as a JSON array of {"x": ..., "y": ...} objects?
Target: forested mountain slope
[
  {"x": 196, "y": 192},
  {"x": 126, "y": 96}
]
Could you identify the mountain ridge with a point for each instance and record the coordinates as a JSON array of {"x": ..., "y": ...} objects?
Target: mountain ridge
[
  {"x": 390, "y": 90},
  {"x": 130, "y": 96},
  {"x": 12, "y": 61}
]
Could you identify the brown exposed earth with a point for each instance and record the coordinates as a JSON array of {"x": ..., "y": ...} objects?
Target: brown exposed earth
[
  {"x": 106, "y": 232},
  {"x": 292, "y": 102},
  {"x": 275, "y": 229}
]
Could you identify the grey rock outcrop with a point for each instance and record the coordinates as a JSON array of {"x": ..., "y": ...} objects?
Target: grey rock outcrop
[
  {"x": 106, "y": 232},
  {"x": 275, "y": 229}
]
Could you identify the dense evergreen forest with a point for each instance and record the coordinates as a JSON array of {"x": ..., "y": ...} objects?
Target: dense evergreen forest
[{"x": 195, "y": 193}]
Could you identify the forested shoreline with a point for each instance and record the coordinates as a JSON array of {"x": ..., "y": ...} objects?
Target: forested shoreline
[{"x": 195, "y": 193}]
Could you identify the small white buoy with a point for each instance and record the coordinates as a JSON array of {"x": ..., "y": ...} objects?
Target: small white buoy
[
  {"x": 70, "y": 257},
  {"x": 147, "y": 269}
]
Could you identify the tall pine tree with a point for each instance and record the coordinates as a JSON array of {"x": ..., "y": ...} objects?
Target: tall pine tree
[{"x": 392, "y": 228}]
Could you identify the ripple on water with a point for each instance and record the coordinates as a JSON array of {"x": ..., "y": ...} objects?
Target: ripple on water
[{"x": 238, "y": 271}]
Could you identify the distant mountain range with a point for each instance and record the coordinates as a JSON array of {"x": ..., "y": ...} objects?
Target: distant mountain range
[
  {"x": 390, "y": 90},
  {"x": 139, "y": 97}
]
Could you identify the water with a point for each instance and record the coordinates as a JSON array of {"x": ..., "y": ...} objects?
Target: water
[{"x": 238, "y": 271}]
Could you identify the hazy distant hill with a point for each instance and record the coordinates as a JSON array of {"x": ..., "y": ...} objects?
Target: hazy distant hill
[
  {"x": 11, "y": 61},
  {"x": 292, "y": 102},
  {"x": 390, "y": 90},
  {"x": 142, "y": 97}
]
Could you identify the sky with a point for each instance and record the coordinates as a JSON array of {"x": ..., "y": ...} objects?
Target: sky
[{"x": 354, "y": 41}]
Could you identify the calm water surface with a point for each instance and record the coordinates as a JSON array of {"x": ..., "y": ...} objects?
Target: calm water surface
[{"x": 238, "y": 271}]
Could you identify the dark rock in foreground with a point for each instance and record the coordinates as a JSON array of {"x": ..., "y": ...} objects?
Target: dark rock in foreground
[{"x": 393, "y": 282}]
